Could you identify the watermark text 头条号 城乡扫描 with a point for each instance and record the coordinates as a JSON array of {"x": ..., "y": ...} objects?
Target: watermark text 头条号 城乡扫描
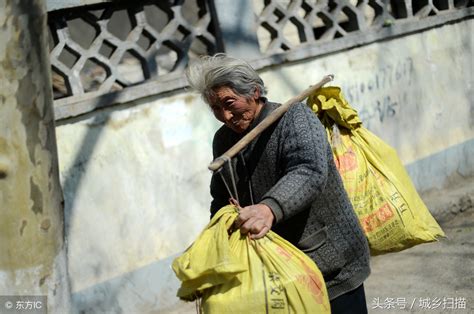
[{"x": 424, "y": 303}]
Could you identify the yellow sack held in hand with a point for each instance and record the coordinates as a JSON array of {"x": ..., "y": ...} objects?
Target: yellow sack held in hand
[
  {"x": 234, "y": 274},
  {"x": 389, "y": 209}
]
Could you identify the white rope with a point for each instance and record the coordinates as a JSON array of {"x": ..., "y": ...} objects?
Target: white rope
[{"x": 228, "y": 161}]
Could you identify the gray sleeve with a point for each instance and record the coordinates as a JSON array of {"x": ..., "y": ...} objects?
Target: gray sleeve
[{"x": 304, "y": 158}]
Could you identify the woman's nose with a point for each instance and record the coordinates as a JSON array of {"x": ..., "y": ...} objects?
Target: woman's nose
[{"x": 223, "y": 115}]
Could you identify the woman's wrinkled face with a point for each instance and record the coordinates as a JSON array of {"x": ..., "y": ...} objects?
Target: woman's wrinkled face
[{"x": 235, "y": 111}]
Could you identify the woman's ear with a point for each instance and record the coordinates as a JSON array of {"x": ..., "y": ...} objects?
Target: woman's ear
[{"x": 256, "y": 94}]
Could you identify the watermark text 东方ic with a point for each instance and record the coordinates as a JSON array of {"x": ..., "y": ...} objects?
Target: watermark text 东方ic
[{"x": 31, "y": 304}]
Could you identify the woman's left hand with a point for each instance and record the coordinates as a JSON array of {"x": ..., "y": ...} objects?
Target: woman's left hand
[{"x": 255, "y": 219}]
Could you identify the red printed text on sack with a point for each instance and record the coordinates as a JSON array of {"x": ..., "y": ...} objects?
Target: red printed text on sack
[
  {"x": 347, "y": 161},
  {"x": 377, "y": 218}
]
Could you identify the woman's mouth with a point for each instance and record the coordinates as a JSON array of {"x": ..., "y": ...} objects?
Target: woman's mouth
[{"x": 235, "y": 125}]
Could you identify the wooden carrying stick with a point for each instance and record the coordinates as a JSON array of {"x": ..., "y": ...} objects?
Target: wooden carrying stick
[{"x": 275, "y": 115}]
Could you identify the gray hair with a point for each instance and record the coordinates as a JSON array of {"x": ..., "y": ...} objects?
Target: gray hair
[{"x": 210, "y": 72}]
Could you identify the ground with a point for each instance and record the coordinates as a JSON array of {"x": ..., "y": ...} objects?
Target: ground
[{"x": 429, "y": 278}]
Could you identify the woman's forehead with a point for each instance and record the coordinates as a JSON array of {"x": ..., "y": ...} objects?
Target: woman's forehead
[{"x": 223, "y": 91}]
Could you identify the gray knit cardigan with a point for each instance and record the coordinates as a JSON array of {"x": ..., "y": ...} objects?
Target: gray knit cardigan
[{"x": 290, "y": 168}]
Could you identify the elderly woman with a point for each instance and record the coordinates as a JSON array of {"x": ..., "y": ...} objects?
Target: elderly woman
[{"x": 286, "y": 178}]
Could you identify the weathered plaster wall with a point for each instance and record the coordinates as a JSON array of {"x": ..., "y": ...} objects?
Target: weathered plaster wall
[
  {"x": 32, "y": 252},
  {"x": 415, "y": 92},
  {"x": 135, "y": 178},
  {"x": 64, "y": 4},
  {"x": 136, "y": 187}
]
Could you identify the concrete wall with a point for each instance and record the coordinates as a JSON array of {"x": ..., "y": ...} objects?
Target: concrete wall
[
  {"x": 32, "y": 249},
  {"x": 52, "y": 5},
  {"x": 136, "y": 182},
  {"x": 136, "y": 189}
]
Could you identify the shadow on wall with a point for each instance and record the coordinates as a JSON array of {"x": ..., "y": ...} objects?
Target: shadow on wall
[
  {"x": 149, "y": 289},
  {"x": 74, "y": 175}
]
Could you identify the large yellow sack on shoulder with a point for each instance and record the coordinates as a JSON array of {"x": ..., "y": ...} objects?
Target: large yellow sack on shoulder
[
  {"x": 389, "y": 209},
  {"x": 233, "y": 274}
]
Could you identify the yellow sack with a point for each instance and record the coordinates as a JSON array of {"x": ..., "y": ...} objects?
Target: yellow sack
[
  {"x": 233, "y": 274},
  {"x": 389, "y": 209}
]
